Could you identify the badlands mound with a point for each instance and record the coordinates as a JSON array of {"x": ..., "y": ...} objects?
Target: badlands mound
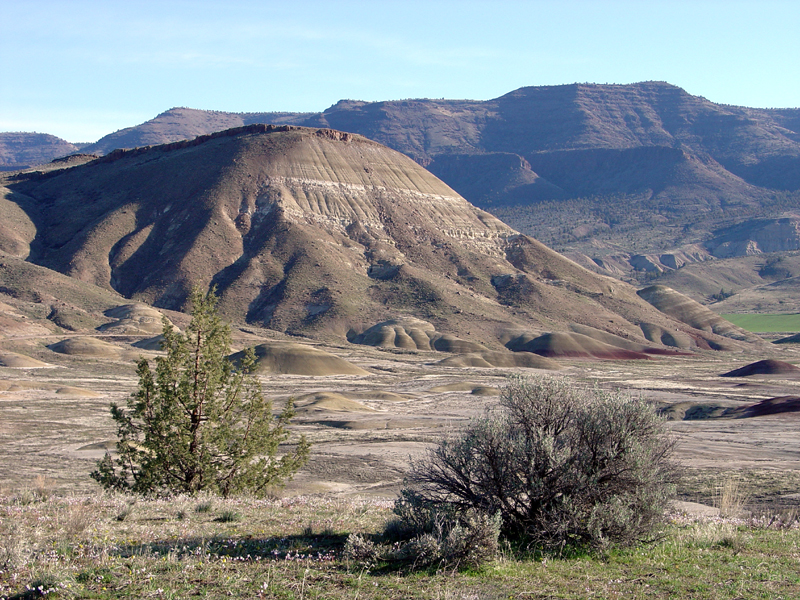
[
  {"x": 22, "y": 386},
  {"x": 412, "y": 334},
  {"x": 506, "y": 360},
  {"x": 13, "y": 360},
  {"x": 668, "y": 337},
  {"x": 320, "y": 233},
  {"x": 152, "y": 344},
  {"x": 70, "y": 390},
  {"x": 90, "y": 347},
  {"x": 584, "y": 342},
  {"x": 771, "y": 406},
  {"x": 791, "y": 339},
  {"x": 692, "y": 313},
  {"x": 329, "y": 402},
  {"x": 764, "y": 367},
  {"x": 627, "y": 344},
  {"x": 133, "y": 319},
  {"x": 692, "y": 411},
  {"x": 572, "y": 345},
  {"x": 287, "y": 358}
]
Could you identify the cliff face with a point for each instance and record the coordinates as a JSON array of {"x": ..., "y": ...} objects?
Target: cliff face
[{"x": 757, "y": 236}]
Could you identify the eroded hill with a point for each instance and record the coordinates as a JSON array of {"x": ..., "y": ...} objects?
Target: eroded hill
[
  {"x": 610, "y": 172},
  {"x": 318, "y": 232}
]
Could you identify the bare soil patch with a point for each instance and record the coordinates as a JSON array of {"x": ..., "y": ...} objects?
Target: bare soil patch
[{"x": 367, "y": 426}]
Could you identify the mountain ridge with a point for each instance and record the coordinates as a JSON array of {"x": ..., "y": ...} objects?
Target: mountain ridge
[
  {"x": 651, "y": 168},
  {"x": 650, "y": 148},
  {"x": 314, "y": 232}
]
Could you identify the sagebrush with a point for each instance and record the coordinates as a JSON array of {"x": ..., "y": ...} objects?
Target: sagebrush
[
  {"x": 425, "y": 534},
  {"x": 562, "y": 464}
]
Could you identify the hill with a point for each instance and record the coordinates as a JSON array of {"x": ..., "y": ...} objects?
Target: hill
[
  {"x": 763, "y": 283},
  {"x": 19, "y": 150},
  {"x": 183, "y": 123},
  {"x": 314, "y": 232},
  {"x": 606, "y": 171}
]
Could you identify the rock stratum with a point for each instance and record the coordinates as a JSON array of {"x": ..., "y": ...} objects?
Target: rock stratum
[{"x": 322, "y": 233}]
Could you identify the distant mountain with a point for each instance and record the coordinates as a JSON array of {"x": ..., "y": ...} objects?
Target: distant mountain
[
  {"x": 566, "y": 134},
  {"x": 179, "y": 124},
  {"x": 323, "y": 233},
  {"x": 594, "y": 169},
  {"x": 605, "y": 173},
  {"x": 21, "y": 150}
]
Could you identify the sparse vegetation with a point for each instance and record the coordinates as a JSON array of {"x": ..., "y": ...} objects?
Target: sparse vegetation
[
  {"x": 731, "y": 497},
  {"x": 198, "y": 423},
  {"x": 229, "y": 516},
  {"x": 767, "y": 492},
  {"x": 722, "y": 295},
  {"x": 560, "y": 464},
  {"x": 268, "y": 554}
]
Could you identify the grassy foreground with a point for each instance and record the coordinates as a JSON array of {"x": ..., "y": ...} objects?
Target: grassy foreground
[{"x": 109, "y": 546}]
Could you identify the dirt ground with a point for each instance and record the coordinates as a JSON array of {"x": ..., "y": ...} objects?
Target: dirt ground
[{"x": 55, "y": 422}]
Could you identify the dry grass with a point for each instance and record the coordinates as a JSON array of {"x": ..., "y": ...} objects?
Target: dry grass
[
  {"x": 43, "y": 487},
  {"x": 75, "y": 547},
  {"x": 731, "y": 497},
  {"x": 77, "y": 518}
]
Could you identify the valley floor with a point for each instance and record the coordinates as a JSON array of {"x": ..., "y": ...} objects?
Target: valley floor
[
  {"x": 56, "y": 422},
  {"x": 61, "y": 533}
]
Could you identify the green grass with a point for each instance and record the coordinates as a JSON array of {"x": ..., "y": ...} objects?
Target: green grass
[
  {"x": 291, "y": 548},
  {"x": 758, "y": 323}
]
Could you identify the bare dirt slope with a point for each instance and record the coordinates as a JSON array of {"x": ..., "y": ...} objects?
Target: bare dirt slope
[{"x": 316, "y": 232}]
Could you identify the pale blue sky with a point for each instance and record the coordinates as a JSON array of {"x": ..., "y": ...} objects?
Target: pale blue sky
[{"x": 81, "y": 69}]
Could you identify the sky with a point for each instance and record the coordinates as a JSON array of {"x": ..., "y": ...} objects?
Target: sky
[{"x": 81, "y": 69}]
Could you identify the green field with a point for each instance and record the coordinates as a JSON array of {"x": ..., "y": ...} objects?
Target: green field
[{"x": 758, "y": 323}]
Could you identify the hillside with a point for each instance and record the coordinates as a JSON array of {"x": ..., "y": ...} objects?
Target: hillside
[
  {"x": 763, "y": 283},
  {"x": 316, "y": 232},
  {"x": 20, "y": 150},
  {"x": 608, "y": 171}
]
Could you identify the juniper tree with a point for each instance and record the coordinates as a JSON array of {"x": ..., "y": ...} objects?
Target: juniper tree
[{"x": 199, "y": 422}]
